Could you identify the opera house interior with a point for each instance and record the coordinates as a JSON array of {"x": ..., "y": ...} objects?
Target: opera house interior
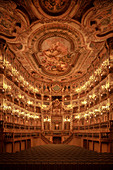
[{"x": 56, "y": 81}]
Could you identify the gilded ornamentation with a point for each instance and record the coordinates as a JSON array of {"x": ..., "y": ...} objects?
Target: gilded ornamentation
[
  {"x": 56, "y": 88},
  {"x": 54, "y": 6}
]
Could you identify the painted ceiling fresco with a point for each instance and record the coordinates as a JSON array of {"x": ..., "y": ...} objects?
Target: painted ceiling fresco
[
  {"x": 55, "y": 55},
  {"x": 56, "y": 40}
]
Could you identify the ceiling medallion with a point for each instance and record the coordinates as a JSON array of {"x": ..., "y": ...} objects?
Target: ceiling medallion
[
  {"x": 54, "y": 7},
  {"x": 55, "y": 47},
  {"x": 56, "y": 55}
]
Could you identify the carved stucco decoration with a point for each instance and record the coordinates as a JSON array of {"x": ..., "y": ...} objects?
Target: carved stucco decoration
[
  {"x": 98, "y": 22},
  {"x": 56, "y": 104},
  {"x": 13, "y": 24},
  {"x": 56, "y": 88},
  {"x": 12, "y": 21},
  {"x": 82, "y": 41},
  {"x": 55, "y": 8}
]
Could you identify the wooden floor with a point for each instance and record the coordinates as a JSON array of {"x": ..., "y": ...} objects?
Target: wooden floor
[{"x": 55, "y": 155}]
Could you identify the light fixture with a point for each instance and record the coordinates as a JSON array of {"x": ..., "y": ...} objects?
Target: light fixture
[{"x": 29, "y": 102}]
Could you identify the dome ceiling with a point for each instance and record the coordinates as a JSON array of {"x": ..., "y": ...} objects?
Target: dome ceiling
[{"x": 56, "y": 40}]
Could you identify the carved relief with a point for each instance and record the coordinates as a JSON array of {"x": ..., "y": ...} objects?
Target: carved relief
[
  {"x": 99, "y": 21},
  {"x": 56, "y": 104},
  {"x": 55, "y": 6}
]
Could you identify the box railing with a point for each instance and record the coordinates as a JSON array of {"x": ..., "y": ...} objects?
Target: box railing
[{"x": 102, "y": 125}]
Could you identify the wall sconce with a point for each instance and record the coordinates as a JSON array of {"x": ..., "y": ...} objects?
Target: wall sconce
[
  {"x": 47, "y": 119},
  {"x": 29, "y": 102},
  {"x": 84, "y": 102}
]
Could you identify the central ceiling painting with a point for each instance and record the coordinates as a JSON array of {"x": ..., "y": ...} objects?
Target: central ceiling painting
[{"x": 55, "y": 55}]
